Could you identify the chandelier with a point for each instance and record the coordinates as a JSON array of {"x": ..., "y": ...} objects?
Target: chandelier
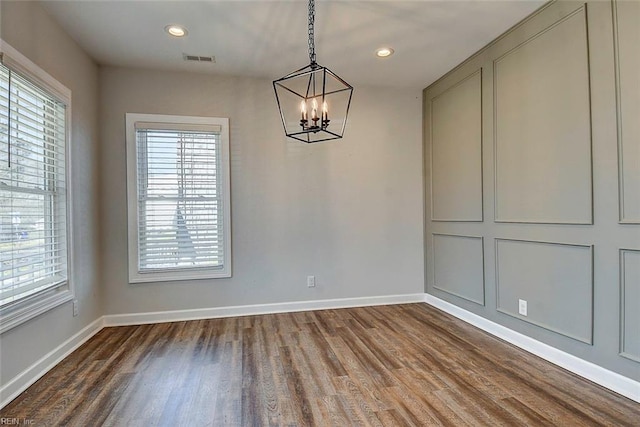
[{"x": 313, "y": 101}]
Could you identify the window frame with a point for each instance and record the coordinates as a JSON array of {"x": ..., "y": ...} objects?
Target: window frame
[
  {"x": 135, "y": 276},
  {"x": 32, "y": 306}
]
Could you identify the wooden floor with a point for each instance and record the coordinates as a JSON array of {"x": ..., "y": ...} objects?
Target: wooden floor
[{"x": 394, "y": 365}]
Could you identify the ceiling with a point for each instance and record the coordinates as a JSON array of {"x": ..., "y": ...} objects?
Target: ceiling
[{"x": 268, "y": 38}]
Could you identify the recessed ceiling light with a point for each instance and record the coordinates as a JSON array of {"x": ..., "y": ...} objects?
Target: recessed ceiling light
[
  {"x": 383, "y": 52},
  {"x": 176, "y": 30}
]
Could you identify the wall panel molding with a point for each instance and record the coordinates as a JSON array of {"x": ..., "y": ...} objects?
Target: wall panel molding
[
  {"x": 630, "y": 304},
  {"x": 458, "y": 266},
  {"x": 556, "y": 279},
  {"x": 627, "y": 69},
  {"x": 542, "y": 127},
  {"x": 456, "y": 127}
]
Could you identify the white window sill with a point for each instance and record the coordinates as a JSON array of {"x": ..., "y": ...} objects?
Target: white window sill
[{"x": 30, "y": 309}]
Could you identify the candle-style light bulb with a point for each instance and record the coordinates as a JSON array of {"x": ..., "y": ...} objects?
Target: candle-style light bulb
[
  {"x": 303, "y": 109},
  {"x": 314, "y": 109},
  {"x": 325, "y": 111}
]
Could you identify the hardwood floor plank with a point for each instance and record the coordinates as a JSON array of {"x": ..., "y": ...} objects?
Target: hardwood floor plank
[
  {"x": 267, "y": 387},
  {"x": 327, "y": 322},
  {"x": 318, "y": 375},
  {"x": 333, "y": 411},
  {"x": 377, "y": 348},
  {"x": 300, "y": 401},
  {"x": 101, "y": 408},
  {"x": 463, "y": 385},
  {"x": 357, "y": 401},
  {"x": 413, "y": 381},
  {"x": 366, "y": 358},
  {"x": 228, "y": 403},
  {"x": 360, "y": 376},
  {"x": 325, "y": 352},
  {"x": 527, "y": 415},
  {"x": 471, "y": 414},
  {"x": 403, "y": 365},
  {"x": 408, "y": 408},
  {"x": 392, "y": 418}
]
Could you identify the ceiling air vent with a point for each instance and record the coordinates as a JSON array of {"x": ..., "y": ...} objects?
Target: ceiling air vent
[{"x": 198, "y": 58}]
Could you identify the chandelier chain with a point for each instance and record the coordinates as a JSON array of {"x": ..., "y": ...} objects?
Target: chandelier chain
[{"x": 312, "y": 18}]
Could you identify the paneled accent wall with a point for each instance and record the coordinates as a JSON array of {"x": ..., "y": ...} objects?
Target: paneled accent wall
[
  {"x": 543, "y": 127},
  {"x": 627, "y": 44},
  {"x": 555, "y": 279},
  {"x": 532, "y": 181},
  {"x": 456, "y": 181},
  {"x": 459, "y": 266}
]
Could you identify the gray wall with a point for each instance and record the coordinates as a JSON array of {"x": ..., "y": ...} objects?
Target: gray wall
[
  {"x": 532, "y": 168},
  {"x": 26, "y": 27},
  {"x": 348, "y": 211}
]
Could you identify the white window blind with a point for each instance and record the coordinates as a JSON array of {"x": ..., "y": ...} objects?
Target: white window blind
[
  {"x": 181, "y": 197},
  {"x": 33, "y": 234}
]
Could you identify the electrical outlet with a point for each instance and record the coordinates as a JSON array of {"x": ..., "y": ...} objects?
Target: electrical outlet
[
  {"x": 311, "y": 281},
  {"x": 75, "y": 307},
  {"x": 522, "y": 307}
]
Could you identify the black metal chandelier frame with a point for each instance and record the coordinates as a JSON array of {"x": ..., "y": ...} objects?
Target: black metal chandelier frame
[{"x": 315, "y": 128}]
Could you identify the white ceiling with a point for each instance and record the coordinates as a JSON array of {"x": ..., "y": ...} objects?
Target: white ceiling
[{"x": 268, "y": 38}]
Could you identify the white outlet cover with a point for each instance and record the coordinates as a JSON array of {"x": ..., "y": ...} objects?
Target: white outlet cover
[{"x": 522, "y": 307}]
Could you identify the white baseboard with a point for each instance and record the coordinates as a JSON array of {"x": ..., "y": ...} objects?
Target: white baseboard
[
  {"x": 249, "y": 310},
  {"x": 599, "y": 375},
  {"x": 26, "y": 378}
]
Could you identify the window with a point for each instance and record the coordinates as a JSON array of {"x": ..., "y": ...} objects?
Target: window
[
  {"x": 178, "y": 197},
  {"x": 34, "y": 248}
]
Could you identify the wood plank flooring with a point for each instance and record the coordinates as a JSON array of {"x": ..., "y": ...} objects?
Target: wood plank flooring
[{"x": 402, "y": 365}]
